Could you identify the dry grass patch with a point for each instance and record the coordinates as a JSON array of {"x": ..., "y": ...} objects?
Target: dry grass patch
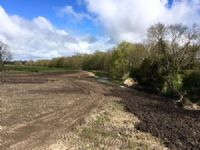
[{"x": 111, "y": 129}]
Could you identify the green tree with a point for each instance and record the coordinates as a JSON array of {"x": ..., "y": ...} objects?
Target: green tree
[
  {"x": 125, "y": 57},
  {"x": 120, "y": 63},
  {"x": 174, "y": 46}
]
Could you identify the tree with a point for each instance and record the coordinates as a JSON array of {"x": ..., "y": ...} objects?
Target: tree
[
  {"x": 149, "y": 75},
  {"x": 191, "y": 84},
  {"x": 175, "y": 46},
  {"x": 120, "y": 63},
  {"x": 136, "y": 54},
  {"x": 5, "y": 55},
  {"x": 125, "y": 57}
]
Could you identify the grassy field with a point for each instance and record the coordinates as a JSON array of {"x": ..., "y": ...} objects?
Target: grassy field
[{"x": 25, "y": 68}]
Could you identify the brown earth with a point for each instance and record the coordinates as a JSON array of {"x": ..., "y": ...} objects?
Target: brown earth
[
  {"x": 177, "y": 127},
  {"x": 108, "y": 128},
  {"x": 37, "y": 109}
]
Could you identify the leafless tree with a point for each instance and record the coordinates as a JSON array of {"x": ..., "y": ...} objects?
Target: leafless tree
[{"x": 5, "y": 55}]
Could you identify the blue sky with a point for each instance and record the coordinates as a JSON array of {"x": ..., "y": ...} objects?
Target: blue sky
[
  {"x": 49, "y": 9},
  {"x": 37, "y": 29}
]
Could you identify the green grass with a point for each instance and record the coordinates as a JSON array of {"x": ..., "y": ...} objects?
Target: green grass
[
  {"x": 25, "y": 68},
  {"x": 100, "y": 73}
]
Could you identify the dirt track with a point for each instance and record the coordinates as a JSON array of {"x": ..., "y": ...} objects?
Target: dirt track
[{"x": 38, "y": 108}]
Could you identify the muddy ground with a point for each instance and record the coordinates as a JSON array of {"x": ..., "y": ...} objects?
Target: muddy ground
[{"x": 37, "y": 109}]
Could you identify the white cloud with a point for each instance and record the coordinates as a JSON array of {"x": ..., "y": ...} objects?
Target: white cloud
[
  {"x": 129, "y": 19},
  {"x": 69, "y": 11},
  {"x": 121, "y": 19},
  {"x": 38, "y": 38}
]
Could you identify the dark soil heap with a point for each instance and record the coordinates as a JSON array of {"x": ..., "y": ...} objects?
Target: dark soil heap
[{"x": 178, "y": 128}]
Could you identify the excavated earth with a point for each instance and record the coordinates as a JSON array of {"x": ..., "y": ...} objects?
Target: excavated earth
[
  {"x": 37, "y": 109},
  {"x": 178, "y": 128}
]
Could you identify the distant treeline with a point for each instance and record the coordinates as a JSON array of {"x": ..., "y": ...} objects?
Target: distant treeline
[
  {"x": 117, "y": 62},
  {"x": 168, "y": 62}
]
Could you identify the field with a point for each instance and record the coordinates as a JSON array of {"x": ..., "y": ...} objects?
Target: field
[
  {"x": 49, "y": 110},
  {"x": 28, "y": 69}
]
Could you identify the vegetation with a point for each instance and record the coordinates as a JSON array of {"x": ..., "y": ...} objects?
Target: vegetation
[
  {"x": 149, "y": 75},
  {"x": 5, "y": 55},
  {"x": 25, "y": 68},
  {"x": 115, "y": 63},
  {"x": 191, "y": 84},
  {"x": 159, "y": 65},
  {"x": 174, "y": 47},
  {"x": 113, "y": 128}
]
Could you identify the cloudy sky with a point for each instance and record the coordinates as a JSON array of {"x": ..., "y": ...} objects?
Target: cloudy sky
[{"x": 43, "y": 29}]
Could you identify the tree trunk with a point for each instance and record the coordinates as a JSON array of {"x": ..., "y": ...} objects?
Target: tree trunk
[{"x": 1, "y": 63}]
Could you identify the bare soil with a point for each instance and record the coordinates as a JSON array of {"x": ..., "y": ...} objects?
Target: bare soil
[
  {"x": 109, "y": 128},
  {"x": 177, "y": 127},
  {"x": 37, "y": 109}
]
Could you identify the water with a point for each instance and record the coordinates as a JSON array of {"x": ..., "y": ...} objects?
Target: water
[{"x": 103, "y": 79}]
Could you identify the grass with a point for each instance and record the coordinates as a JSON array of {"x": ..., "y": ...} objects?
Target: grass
[
  {"x": 113, "y": 128},
  {"x": 93, "y": 133},
  {"x": 100, "y": 73},
  {"x": 25, "y": 68},
  {"x": 101, "y": 119}
]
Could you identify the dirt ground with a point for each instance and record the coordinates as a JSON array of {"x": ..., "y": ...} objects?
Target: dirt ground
[
  {"x": 177, "y": 127},
  {"x": 38, "y": 109},
  {"x": 109, "y": 128}
]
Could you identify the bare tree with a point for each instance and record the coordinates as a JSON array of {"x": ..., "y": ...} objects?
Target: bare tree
[
  {"x": 5, "y": 55},
  {"x": 177, "y": 46}
]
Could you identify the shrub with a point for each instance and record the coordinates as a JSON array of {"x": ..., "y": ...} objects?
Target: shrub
[
  {"x": 150, "y": 75},
  {"x": 176, "y": 81},
  {"x": 191, "y": 85}
]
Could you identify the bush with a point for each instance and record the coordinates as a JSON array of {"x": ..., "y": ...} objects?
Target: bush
[
  {"x": 191, "y": 85},
  {"x": 150, "y": 75}
]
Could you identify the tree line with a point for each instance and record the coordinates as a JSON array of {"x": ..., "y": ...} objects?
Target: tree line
[
  {"x": 117, "y": 62},
  {"x": 167, "y": 62}
]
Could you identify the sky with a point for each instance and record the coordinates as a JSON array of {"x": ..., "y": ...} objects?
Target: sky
[{"x": 45, "y": 29}]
